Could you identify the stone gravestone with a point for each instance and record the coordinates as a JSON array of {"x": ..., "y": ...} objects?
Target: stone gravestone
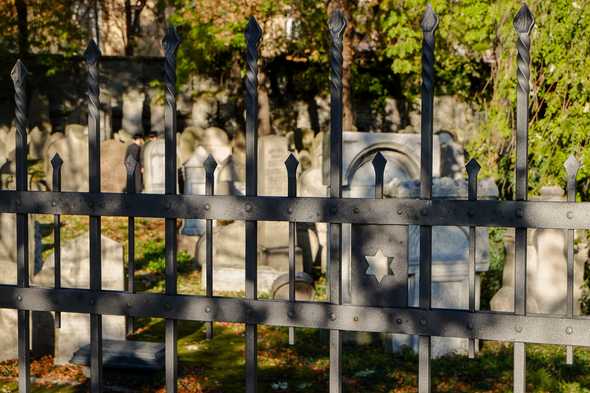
[
  {"x": 113, "y": 175},
  {"x": 75, "y": 273},
  {"x": 73, "y": 149},
  {"x": 194, "y": 184},
  {"x": 546, "y": 268},
  {"x": 154, "y": 167},
  {"x": 450, "y": 256},
  {"x": 133, "y": 111}
]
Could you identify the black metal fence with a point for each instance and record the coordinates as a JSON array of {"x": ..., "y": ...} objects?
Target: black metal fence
[{"x": 518, "y": 327}]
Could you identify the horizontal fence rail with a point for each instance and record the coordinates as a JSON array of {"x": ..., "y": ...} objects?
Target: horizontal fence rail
[{"x": 519, "y": 327}]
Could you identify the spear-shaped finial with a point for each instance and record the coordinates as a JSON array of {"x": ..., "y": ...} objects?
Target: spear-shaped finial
[
  {"x": 524, "y": 20},
  {"x": 92, "y": 52},
  {"x": 210, "y": 164},
  {"x": 379, "y": 162},
  {"x": 19, "y": 73},
  {"x": 472, "y": 167},
  {"x": 572, "y": 166},
  {"x": 429, "y": 20},
  {"x": 253, "y": 31},
  {"x": 56, "y": 162},
  {"x": 337, "y": 23},
  {"x": 171, "y": 40},
  {"x": 291, "y": 163}
]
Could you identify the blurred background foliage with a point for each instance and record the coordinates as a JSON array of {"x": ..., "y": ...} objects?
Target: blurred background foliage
[{"x": 475, "y": 55}]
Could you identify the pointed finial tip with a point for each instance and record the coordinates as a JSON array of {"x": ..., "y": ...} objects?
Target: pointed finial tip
[
  {"x": 472, "y": 166},
  {"x": 337, "y": 22},
  {"x": 430, "y": 19},
  {"x": 253, "y": 30},
  {"x": 524, "y": 20},
  {"x": 56, "y": 161},
  {"x": 210, "y": 164},
  {"x": 19, "y": 72},
  {"x": 92, "y": 52},
  {"x": 572, "y": 165},
  {"x": 291, "y": 163},
  {"x": 379, "y": 162},
  {"x": 171, "y": 40}
]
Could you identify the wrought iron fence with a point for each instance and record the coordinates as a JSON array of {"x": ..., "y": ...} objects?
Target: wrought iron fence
[{"x": 425, "y": 321}]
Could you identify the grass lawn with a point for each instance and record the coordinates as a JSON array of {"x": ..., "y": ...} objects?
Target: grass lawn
[{"x": 217, "y": 365}]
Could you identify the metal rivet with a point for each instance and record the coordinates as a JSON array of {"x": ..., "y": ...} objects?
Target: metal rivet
[
  {"x": 424, "y": 212},
  {"x": 399, "y": 212},
  {"x": 290, "y": 314},
  {"x": 519, "y": 213},
  {"x": 168, "y": 307},
  {"x": 333, "y": 210},
  {"x": 248, "y": 207},
  {"x": 470, "y": 213},
  {"x": 18, "y": 202},
  {"x": 332, "y": 316},
  {"x": 570, "y": 215},
  {"x": 470, "y": 326},
  {"x": 569, "y": 330},
  {"x": 128, "y": 304},
  {"x": 92, "y": 301},
  {"x": 356, "y": 318},
  {"x": 207, "y": 309},
  {"x": 398, "y": 321},
  {"x": 355, "y": 210},
  {"x": 20, "y": 298},
  {"x": 290, "y": 210},
  {"x": 168, "y": 205},
  {"x": 53, "y": 203},
  {"x": 90, "y": 204},
  {"x": 207, "y": 207},
  {"x": 518, "y": 328},
  {"x": 423, "y": 322}
]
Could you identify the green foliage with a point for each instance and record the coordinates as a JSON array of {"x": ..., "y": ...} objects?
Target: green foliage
[{"x": 154, "y": 260}]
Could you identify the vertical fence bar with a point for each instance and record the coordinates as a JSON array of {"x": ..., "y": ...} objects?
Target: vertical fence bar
[
  {"x": 253, "y": 35},
  {"x": 210, "y": 164},
  {"x": 56, "y": 163},
  {"x": 92, "y": 55},
  {"x": 572, "y": 166},
  {"x": 472, "y": 172},
  {"x": 19, "y": 79},
  {"x": 337, "y": 25},
  {"x": 170, "y": 44},
  {"x": 523, "y": 23},
  {"x": 291, "y": 164},
  {"x": 131, "y": 167},
  {"x": 429, "y": 24}
]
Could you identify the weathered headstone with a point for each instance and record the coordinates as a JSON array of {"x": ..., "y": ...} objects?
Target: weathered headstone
[
  {"x": 133, "y": 111},
  {"x": 113, "y": 175},
  {"x": 194, "y": 184},
  {"x": 75, "y": 273},
  {"x": 37, "y": 139},
  {"x": 546, "y": 268},
  {"x": 73, "y": 149},
  {"x": 154, "y": 167}
]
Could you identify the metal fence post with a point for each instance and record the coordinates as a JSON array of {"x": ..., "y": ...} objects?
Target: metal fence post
[
  {"x": 253, "y": 35},
  {"x": 429, "y": 24},
  {"x": 337, "y": 25},
  {"x": 92, "y": 55},
  {"x": 56, "y": 163},
  {"x": 19, "y": 77},
  {"x": 572, "y": 166},
  {"x": 523, "y": 23},
  {"x": 472, "y": 172},
  {"x": 170, "y": 44},
  {"x": 210, "y": 164},
  {"x": 291, "y": 164},
  {"x": 131, "y": 167}
]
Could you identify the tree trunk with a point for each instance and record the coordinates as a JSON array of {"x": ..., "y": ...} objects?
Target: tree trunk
[
  {"x": 264, "y": 122},
  {"x": 348, "y": 58},
  {"x": 23, "y": 27}
]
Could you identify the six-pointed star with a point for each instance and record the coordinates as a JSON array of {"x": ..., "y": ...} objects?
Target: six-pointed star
[{"x": 378, "y": 265}]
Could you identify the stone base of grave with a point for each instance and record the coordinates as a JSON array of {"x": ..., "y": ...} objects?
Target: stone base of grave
[
  {"x": 232, "y": 279},
  {"x": 122, "y": 354}
]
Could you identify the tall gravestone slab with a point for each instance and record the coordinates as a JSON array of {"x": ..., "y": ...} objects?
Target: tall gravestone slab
[
  {"x": 133, "y": 111},
  {"x": 194, "y": 184},
  {"x": 73, "y": 149},
  {"x": 113, "y": 175},
  {"x": 154, "y": 162},
  {"x": 272, "y": 181},
  {"x": 75, "y": 273}
]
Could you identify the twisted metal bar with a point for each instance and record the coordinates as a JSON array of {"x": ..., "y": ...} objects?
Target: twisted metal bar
[{"x": 19, "y": 77}]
